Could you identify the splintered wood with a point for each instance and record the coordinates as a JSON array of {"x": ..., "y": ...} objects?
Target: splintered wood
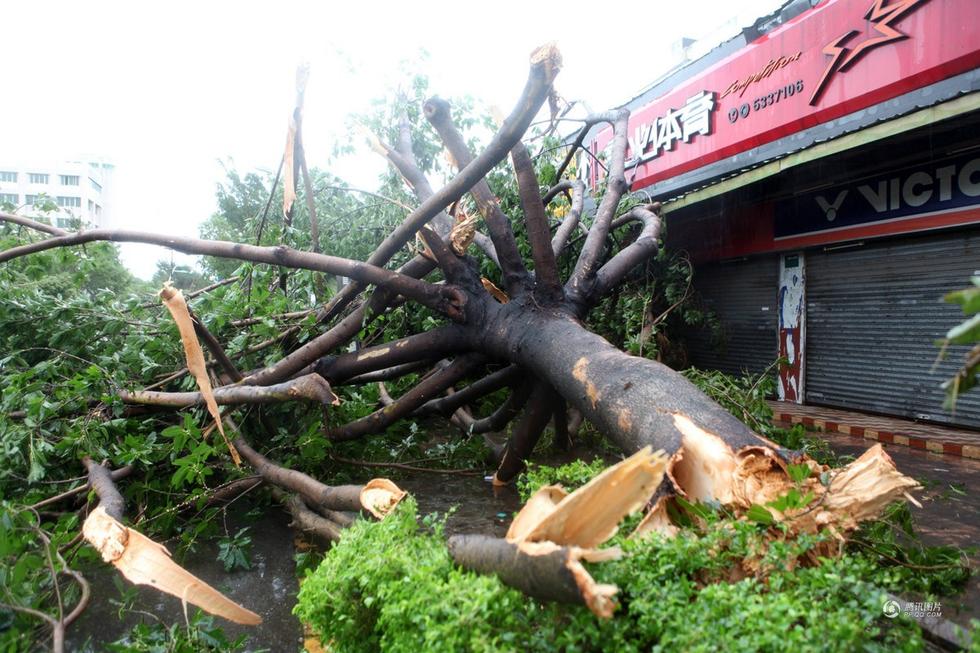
[
  {"x": 380, "y": 496},
  {"x": 591, "y": 514},
  {"x": 144, "y": 562},
  {"x": 706, "y": 468},
  {"x": 173, "y": 299},
  {"x": 544, "y": 548},
  {"x": 555, "y": 531}
]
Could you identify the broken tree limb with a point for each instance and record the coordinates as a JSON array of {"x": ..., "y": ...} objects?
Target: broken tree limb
[
  {"x": 438, "y": 113},
  {"x": 307, "y": 521},
  {"x": 541, "y": 570},
  {"x": 100, "y": 480},
  {"x": 144, "y": 562},
  {"x": 114, "y": 475},
  {"x": 173, "y": 299},
  {"x": 571, "y": 219},
  {"x": 310, "y": 387},
  {"x": 425, "y": 390},
  {"x": 591, "y": 514},
  {"x": 547, "y": 281},
  {"x": 377, "y": 497},
  {"x": 526, "y": 433},
  {"x": 443, "y": 298},
  {"x": 490, "y": 383}
]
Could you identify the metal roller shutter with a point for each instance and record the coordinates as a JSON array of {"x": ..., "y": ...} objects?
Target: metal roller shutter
[
  {"x": 873, "y": 314},
  {"x": 743, "y": 294}
]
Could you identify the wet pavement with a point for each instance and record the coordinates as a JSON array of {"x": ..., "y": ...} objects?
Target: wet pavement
[{"x": 950, "y": 512}]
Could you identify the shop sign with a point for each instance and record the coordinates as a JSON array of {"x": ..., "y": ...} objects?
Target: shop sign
[
  {"x": 832, "y": 60},
  {"x": 926, "y": 190}
]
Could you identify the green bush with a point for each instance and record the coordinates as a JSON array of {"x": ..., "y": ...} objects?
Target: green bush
[{"x": 391, "y": 586}]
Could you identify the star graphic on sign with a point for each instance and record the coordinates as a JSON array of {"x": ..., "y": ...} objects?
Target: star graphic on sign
[{"x": 842, "y": 58}]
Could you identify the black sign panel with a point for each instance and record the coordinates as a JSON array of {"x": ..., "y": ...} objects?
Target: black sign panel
[{"x": 927, "y": 189}]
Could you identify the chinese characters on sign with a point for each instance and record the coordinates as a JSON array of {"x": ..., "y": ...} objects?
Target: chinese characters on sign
[{"x": 649, "y": 139}]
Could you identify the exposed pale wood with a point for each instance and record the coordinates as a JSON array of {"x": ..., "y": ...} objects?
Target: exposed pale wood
[{"x": 145, "y": 562}]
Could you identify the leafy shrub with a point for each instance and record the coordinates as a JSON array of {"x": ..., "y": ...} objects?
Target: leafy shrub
[
  {"x": 570, "y": 476},
  {"x": 391, "y": 586}
]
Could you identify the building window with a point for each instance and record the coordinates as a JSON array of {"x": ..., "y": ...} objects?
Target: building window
[
  {"x": 69, "y": 180},
  {"x": 8, "y": 176},
  {"x": 37, "y": 178},
  {"x": 96, "y": 186},
  {"x": 63, "y": 222},
  {"x": 30, "y": 200},
  {"x": 98, "y": 210},
  {"x": 9, "y": 198},
  {"x": 91, "y": 206},
  {"x": 68, "y": 202}
]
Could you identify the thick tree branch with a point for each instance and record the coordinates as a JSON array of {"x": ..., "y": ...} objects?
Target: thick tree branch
[
  {"x": 33, "y": 224},
  {"x": 526, "y": 433},
  {"x": 640, "y": 250},
  {"x": 429, "y": 387},
  {"x": 588, "y": 260},
  {"x": 446, "y": 299},
  {"x": 307, "y": 521},
  {"x": 114, "y": 475},
  {"x": 437, "y": 343},
  {"x": 556, "y": 190},
  {"x": 545, "y": 64},
  {"x": 100, "y": 480},
  {"x": 438, "y": 113},
  {"x": 339, "y": 498},
  {"x": 571, "y": 221},
  {"x": 506, "y": 412},
  {"x": 548, "y": 284},
  {"x": 490, "y": 383},
  {"x": 311, "y": 387},
  {"x": 389, "y": 373}
]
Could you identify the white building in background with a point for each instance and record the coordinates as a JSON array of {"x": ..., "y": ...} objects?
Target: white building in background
[{"x": 79, "y": 188}]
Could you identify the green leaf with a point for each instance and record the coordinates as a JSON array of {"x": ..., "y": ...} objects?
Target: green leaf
[
  {"x": 760, "y": 514},
  {"x": 966, "y": 333},
  {"x": 798, "y": 473}
]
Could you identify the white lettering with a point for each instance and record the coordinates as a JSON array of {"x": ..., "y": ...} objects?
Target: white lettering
[
  {"x": 878, "y": 201},
  {"x": 909, "y": 194},
  {"x": 967, "y": 185},
  {"x": 945, "y": 177}
]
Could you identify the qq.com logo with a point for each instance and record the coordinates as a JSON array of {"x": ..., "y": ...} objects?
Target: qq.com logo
[{"x": 891, "y": 609}]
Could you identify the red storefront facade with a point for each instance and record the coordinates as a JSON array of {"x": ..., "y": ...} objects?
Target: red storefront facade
[{"x": 819, "y": 163}]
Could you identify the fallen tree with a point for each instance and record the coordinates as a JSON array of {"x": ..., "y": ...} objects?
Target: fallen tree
[
  {"x": 538, "y": 327},
  {"x": 523, "y": 330}
]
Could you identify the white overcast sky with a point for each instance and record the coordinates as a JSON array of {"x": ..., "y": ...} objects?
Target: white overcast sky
[{"x": 168, "y": 91}]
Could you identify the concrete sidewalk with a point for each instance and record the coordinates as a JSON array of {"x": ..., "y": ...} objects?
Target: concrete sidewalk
[{"x": 929, "y": 437}]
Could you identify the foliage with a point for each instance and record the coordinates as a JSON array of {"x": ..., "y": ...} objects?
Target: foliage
[
  {"x": 965, "y": 333},
  {"x": 648, "y": 315},
  {"x": 746, "y": 397},
  {"x": 413, "y": 598},
  {"x": 233, "y": 550},
  {"x": 200, "y": 634},
  {"x": 570, "y": 476}
]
